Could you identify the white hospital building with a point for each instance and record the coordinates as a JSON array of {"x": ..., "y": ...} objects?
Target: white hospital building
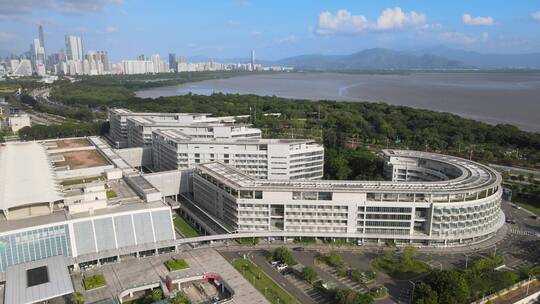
[
  {"x": 431, "y": 200},
  {"x": 134, "y": 129},
  {"x": 260, "y": 158}
]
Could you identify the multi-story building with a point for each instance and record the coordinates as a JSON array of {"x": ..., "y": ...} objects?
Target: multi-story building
[
  {"x": 139, "y": 129},
  {"x": 74, "y": 49},
  {"x": 261, "y": 158},
  {"x": 432, "y": 199},
  {"x": 132, "y": 129}
]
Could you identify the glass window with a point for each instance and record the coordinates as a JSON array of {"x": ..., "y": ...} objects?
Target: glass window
[
  {"x": 258, "y": 194},
  {"x": 325, "y": 196},
  {"x": 309, "y": 196},
  {"x": 246, "y": 194}
]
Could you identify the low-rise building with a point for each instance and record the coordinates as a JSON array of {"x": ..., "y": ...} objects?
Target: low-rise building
[{"x": 18, "y": 121}]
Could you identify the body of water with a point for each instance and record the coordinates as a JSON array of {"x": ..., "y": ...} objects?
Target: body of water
[{"x": 512, "y": 98}]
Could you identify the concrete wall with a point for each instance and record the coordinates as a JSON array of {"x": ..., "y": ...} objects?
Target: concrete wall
[
  {"x": 136, "y": 157},
  {"x": 77, "y": 173},
  {"x": 171, "y": 182}
]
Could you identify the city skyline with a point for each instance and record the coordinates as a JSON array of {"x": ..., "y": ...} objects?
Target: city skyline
[{"x": 234, "y": 28}]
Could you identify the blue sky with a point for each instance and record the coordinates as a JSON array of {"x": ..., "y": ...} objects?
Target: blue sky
[{"x": 274, "y": 29}]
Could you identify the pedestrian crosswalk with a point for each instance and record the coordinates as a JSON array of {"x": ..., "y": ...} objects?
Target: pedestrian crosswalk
[{"x": 518, "y": 231}]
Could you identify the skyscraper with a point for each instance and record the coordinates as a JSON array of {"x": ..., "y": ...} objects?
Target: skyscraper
[
  {"x": 104, "y": 57},
  {"x": 41, "y": 36},
  {"x": 173, "y": 63},
  {"x": 74, "y": 49},
  {"x": 252, "y": 59},
  {"x": 42, "y": 43}
]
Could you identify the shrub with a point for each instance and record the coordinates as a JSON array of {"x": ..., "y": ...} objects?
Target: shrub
[
  {"x": 176, "y": 264},
  {"x": 95, "y": 281},
  {"x": 283, "y": 255}
]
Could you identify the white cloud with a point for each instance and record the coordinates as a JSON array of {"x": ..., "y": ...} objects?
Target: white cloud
[
  {"x": 256, "y": 33},
  {"x": 344, "y": 22},
  {"x": 395, "y": 18},
  {"x": 287, "y": 39},
  {"x": 535, "y": 16},
  {"x": 459, "y": 38},
  {"x": 478, "y": 20},
  {"x": 111, "y": 29}
]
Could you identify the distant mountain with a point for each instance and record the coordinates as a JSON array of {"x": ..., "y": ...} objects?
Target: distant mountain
[
  {"x": 372, "y": 59},
  {"x": 488, "y": 61}
]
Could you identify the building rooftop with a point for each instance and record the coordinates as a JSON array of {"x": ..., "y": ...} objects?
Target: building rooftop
[
  {"x": 38, "y": 281},
  {"x": 474, "y": 176},
  {"x": 26, "y": 175},
  {"x": 179, "y": 136},
  {"x": 122, "y": 111}
]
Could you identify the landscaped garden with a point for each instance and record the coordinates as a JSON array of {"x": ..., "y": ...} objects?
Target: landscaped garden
[
  {"x": 111, "y": 194},
  {"x": 402, "y": 267},
  {"x": 266, "y": 286},
  {"x": 176, "y": 264},
  {"x": 94, "y": 281},
  {"x": 185, "y": 228}
]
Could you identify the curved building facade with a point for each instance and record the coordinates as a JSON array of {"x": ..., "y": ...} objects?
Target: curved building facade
[{"x": 430, "y": 199}]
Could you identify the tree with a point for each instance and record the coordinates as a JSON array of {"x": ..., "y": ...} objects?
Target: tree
[
  {"x": 157, "y": 295},
  {"x": 283, "y": 255},
  {"x": 309, "y": 274},
  {"x": 335, "y": 260},
  {"x": 423, "y": 294},
  {"x": 78, "y": 298},
  {"x": 407, "y": 258},
  {"x": 179, "y": 298},
  {"x": 451, "y": 286}
]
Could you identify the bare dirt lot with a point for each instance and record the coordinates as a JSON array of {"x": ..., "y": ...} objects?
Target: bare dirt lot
[
  {"x": 72, "y": 143},
  {"x": 82, "y": 159}
]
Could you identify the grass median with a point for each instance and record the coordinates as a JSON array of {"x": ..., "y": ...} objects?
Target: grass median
[
  {"x": 185, "y": 228},
  {"x": 266, "y": 286}
]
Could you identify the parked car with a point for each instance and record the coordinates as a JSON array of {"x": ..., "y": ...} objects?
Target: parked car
[
  {"x": 299, "y": 249},
  {"x": 281, "y": 267}
]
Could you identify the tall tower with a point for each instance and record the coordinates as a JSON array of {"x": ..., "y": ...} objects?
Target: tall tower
[
  {"x": 252, "y": 60},
  {"x": 41, "y": 36},
  {"x": 42, "y": 44}
]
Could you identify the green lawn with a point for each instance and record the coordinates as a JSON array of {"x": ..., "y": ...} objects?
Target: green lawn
[
  {"x": 176, "y": 264},
  {"x": 184, "y": 227},
  {"x": 262, "y": 282},
  {"x": 72, "y": 182},
  {"x": 92, "y": 282},
  {"x": 529, "y": 206},
  {"x": 111, "y": 194},
  {"x": 392, "y": 266}
]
